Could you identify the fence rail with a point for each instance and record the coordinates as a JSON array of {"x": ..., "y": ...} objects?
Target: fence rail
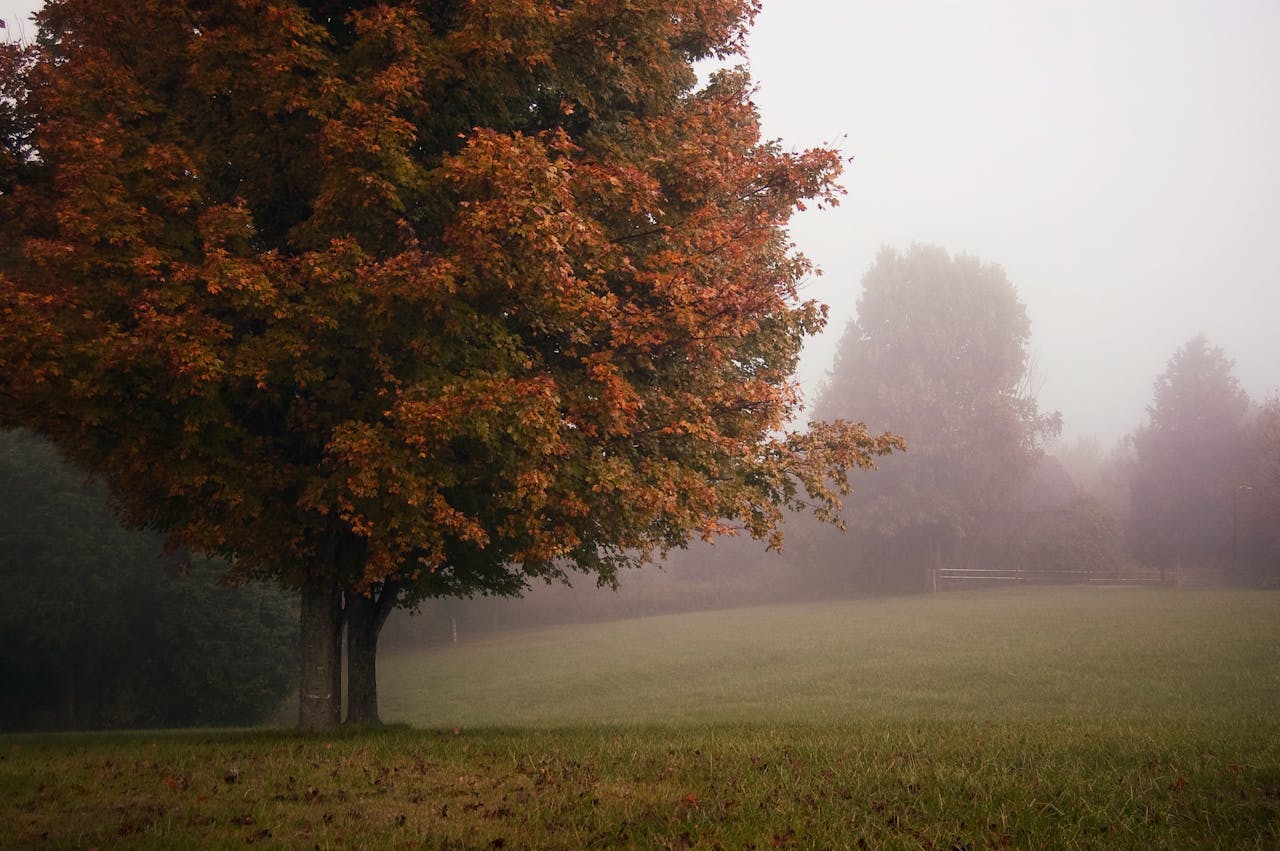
[{"x": 950, "y": 576}]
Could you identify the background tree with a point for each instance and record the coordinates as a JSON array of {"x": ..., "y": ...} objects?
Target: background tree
[
  {"x": 391, "y": 302},
  {"x": 1066, "y": 543},
  {"x": 1187, "y": 462},
  {"x": 1257, "y": 499},
  {"x": 938, "y": 353},
  {"x": 1099, "y": 473},
  {"x": 100, "y": 628}
]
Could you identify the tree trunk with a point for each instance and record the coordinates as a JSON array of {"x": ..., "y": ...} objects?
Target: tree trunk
[
  {"x": 70, "y": 694},
  {"x": 320, "y": 692},
  {"x": 366, "y": 615},
  {"x": 336, "y": 639}
]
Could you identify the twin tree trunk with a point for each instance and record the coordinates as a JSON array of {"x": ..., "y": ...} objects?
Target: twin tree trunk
[
  {"x": 323, "y": 617},
  {"x": 320, "y": 686},
  {"x": 366, "y": 615}
]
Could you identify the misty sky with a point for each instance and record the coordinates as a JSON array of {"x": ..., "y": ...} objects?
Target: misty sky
[{"x": 1118, "y": 158}]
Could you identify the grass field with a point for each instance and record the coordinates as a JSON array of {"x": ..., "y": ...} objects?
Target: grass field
[
  {"x": 1036, "y": 654},
  {"x": 1058, "y": 718}
]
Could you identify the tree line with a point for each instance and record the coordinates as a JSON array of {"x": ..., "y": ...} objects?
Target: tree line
[
  {"x": 101, "y": 627},
  {"x": 939, "y": 352}
]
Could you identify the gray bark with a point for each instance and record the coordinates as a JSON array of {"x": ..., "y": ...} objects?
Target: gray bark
[
  {"x": 320, "y": 690},
  {"x": 366, "y": 615}
]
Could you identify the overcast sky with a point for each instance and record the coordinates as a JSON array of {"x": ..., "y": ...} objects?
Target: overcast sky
[{"x": 1117, "y": 157}]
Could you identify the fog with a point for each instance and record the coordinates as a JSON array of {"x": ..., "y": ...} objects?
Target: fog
[{"x": 1118, "y": 159}]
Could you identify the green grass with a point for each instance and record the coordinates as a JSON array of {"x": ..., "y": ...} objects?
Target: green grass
[
  {"x": 1067, "y": 718},
  {"x": 1073, "y": 653}
]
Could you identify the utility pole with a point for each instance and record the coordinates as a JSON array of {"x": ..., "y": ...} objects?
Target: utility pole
[{"x": 1235, "y": 525}]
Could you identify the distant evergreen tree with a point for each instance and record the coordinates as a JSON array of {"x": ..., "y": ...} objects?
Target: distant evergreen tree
[
  {"x": 1258, "y": 499},
  {"x": 1187, "y": 461},
  {"x": 100, "y": 628}
]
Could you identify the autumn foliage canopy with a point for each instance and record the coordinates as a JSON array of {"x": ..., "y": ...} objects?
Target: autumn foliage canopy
[{"x": 445, "y": 294}]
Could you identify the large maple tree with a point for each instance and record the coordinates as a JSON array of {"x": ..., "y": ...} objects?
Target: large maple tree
[{"x": 396, "y": 300}]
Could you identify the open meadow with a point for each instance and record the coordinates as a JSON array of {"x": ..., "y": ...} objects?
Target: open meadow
[{"x": 1028, "y": 718}]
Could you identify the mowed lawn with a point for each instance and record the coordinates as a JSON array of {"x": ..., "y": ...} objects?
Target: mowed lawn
[
  {"x": 1037, "y": 718},
  {"x": 1033, "y": 654}
]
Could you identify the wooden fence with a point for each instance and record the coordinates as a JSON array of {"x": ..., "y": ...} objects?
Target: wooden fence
[{"x": 949, "y": 577}]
